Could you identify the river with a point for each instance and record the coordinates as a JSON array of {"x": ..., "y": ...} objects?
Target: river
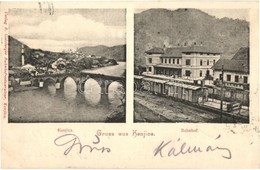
[
  {"x": 116, "y": 70},
  {"x": 68, "y": 105}
]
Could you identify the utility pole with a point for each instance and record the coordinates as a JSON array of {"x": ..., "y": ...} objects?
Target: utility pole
[{"x": 221, "y": 98}]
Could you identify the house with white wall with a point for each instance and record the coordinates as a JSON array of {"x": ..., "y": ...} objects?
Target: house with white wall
[{"x": 236, "y": 70}]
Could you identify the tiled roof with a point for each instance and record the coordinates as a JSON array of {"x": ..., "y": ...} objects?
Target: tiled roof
[
  {"x": 242, "y": 54},
  {"x": 173, "y": 52},
  {"x": 200, "y": 49},
  {"x": 240, "y": 66},
  {"x": 155, "y": 50},
  {"x": 177, "y": 51}
]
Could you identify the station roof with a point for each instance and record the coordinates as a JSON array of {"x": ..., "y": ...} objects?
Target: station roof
[
  {"x": 200, "y": 49},
  {"x": 155, "y": 50},
  {"x": 186, "y": 86},
  {"x": 173, "y": 52},
  {"x": 179, "y": 50}
]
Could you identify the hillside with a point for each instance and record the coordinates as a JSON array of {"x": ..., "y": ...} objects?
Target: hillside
[
  {"x": 158, "y": 27},
  {"x": 116, "y": 52},
  {"x": 14, "y": 49}
]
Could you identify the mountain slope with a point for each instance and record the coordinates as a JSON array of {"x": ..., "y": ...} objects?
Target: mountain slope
[
  {"x": 14, "y": 49},
  {"x": 158, "y": 27},
  {"x": 116, "y": 52}
]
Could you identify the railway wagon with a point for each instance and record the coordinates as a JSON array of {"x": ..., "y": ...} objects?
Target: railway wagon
[
  {"x": 180, "y": 91},
  {"x": 185, "y": 92},
  {"x": 155, "y": 86}
]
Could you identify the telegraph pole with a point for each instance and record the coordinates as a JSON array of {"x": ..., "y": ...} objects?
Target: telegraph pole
[{"x": 221, "y": 98}]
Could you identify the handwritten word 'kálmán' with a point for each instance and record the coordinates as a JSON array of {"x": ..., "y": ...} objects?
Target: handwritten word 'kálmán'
[{"x": 170, "y": 149}]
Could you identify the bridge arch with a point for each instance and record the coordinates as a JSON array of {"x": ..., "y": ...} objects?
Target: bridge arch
[
  {"x": 91, "y": 84},
  {"x": 62, "y": 81},
  {"x": 116, "y": 92},
  {"x": 116, "y": 82},
  {"x": 48, "y": 81},
  {"x": 92, "y": 91}
]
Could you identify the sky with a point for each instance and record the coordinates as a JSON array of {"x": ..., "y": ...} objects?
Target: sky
[{"x": 68, "y": 28}]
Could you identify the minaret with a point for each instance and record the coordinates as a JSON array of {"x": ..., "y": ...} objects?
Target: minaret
[{"x": 22, "y": 52}]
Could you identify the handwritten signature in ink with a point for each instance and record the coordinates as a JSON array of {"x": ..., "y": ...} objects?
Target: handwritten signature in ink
[
  {"x": 167, "y": 149},
  {"x": 73, "y": 141}
]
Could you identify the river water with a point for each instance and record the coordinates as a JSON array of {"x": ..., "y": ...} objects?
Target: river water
[{"x": 68, "y": 105}]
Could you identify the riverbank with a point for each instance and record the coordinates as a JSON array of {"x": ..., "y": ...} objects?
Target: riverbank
[{"x": 23, "y": 88}]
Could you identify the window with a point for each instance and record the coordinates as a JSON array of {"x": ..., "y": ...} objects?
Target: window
[
  {"x": 150, "y": 60},
  {"x": 207, "y": 73},
  {"x": 245, "y": 79},
  {"x": 201, "y": 62},
  {"x": 178, "y": 61},
  {"x": 214, "y": 61},
  {"x": 220, "y": 77},
  {"x": 200, "y": 73},
  {"x": 161, "y": 60},
  {"x": 236, "y": 78},
  {"x": 228, "y": 77},
  {"x": 170, "y": 60},
  {"x": 207, "y": 62},
  {"x": 187, "y": 61},
  {"x": 173, "y": 60},
  {"x": 150, "y": 69},
  {"x": 187, "y": 73},
  {"x": 165, "y": 60}
]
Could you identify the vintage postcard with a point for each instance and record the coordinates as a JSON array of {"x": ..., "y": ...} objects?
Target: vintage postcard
[{"x": 130, "y": 84}]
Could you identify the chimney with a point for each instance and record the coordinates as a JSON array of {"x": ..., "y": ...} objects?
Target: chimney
[{"x": 164, "y": 48}]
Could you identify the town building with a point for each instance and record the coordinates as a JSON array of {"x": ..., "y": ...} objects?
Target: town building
[
  {"x": 236, "y": 70},
  {"x": 187, "y": 62}
]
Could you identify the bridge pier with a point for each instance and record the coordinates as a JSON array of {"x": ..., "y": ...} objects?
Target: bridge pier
[
  {"x": 41, "y": 83},
  {"x": 57, "y": 84},
  {"x": 104, "y": 99},
  {"x": 104, "y": 86},
  {"x": 80, "y": 86}
]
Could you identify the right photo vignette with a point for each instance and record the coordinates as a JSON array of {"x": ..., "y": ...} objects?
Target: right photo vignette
[{"x": 191, "y": 65}]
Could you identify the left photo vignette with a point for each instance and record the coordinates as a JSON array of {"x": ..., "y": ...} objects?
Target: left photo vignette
[{"x": 67, "y": 65}]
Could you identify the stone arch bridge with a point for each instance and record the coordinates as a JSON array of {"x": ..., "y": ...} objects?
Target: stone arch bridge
[{"x": 80, "y": 78}]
